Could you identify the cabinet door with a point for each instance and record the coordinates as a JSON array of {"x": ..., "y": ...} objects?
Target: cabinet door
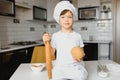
[
  {"x": 24, "y": 3},
  {"x": 103, "y": 51},
  {"x": 88, "y": 3},
  {"x": 91, "y": 51},
  {"x": 40, "y": 3}
]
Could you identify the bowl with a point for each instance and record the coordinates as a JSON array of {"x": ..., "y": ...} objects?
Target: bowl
[{"x": 37, "y": 67}]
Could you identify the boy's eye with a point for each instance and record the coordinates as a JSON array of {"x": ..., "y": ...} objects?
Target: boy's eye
[
  {"x": 66, "y": 17},
  {"x": 62, "y": 17},
  {"x": 69, "y": 16}
]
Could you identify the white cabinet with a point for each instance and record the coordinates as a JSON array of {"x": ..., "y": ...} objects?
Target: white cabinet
[
  {"x": 24, "y": 3},
  {"x": 40, "y": 3},
  {"x": 25, "y": 12},
  {"x": 103, "y": 51},
  {"x": 30, "y": 3},
  {"x": 88, "y": 3}
]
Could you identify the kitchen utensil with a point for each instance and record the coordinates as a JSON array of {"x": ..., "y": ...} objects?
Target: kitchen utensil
[
  {"x": 102, "y": 70},
  {"x": 48, "y": 59}
]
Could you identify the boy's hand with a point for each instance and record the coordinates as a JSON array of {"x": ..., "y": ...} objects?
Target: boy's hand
[{"x": 46, "y": 37}]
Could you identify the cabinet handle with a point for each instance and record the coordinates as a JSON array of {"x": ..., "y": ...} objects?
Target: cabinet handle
[
  {"x": 9, "y": 54},
  {"x": 85, "y": 44},
  {"x": 85, "y": 57}
]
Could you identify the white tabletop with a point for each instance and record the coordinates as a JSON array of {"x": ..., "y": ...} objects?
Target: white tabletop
[{"x": 24, "y": 72}]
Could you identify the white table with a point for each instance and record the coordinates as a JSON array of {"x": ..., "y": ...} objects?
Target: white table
[{"x": 24, "y": 72}]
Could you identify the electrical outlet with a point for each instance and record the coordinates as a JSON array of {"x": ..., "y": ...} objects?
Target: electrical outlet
[
  {"x": 44, "y": 26},
  {"x": 32, "y": 29},
  {"x": 53, "y": 26},
  {"x": 101, "y": 24},
  {"x": 16, "y": 21},
  {"x": 83, "y": 28}
]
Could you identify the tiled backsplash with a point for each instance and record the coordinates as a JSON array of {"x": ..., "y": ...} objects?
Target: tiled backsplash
[
  {"x": 100, "y": 30},
  {"x": 10, "y": 32}
]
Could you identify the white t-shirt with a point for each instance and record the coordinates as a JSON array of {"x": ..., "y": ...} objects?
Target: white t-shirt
[
  {"x": 66, "y": 67},
  {"x": 63, "y": 43}
]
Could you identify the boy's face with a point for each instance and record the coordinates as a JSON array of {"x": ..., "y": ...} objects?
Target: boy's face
[{"x": 66, "y": 20}]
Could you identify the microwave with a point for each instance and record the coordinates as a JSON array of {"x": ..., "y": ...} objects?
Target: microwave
[{"x": 88, "y": 13}]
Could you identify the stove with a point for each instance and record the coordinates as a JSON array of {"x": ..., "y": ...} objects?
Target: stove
[{"x": 23, "y": 43}]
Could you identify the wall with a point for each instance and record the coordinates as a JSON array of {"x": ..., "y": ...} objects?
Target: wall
[
  {"x": 23, "y": 31},
  {"x": 100, "y": 30}
]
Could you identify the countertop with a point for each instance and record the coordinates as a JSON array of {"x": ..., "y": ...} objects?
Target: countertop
[
  {"x": 24, "y": 72},
  {"x": 15, "y": 47},
  {"x": 97, "y": 41}
]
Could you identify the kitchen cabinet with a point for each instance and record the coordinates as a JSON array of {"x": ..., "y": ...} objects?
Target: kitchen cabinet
[
  {"x": 88, "y": 3},
  {"x": 24, "y": 3},
  {"x": 9, "y": 61},
  {"x": 30, "y": 3},
  {"x": 27, "y": 12},
  {"x": 91, "y": 51},
  {"x": 104, "y": 51},
  {"x": 40, "y": 3},
  {"x": 7, "y": 8},
  {"x": 50, "y": 8},
  {"x": 36, "y": 13}
]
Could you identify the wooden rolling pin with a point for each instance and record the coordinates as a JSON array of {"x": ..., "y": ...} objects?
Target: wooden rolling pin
[{"x": 48, "y": 59}]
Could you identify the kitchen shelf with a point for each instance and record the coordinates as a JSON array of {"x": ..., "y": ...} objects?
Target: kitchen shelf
[
  {"x": 95, "y": 20},
  {"x": 110, "y": 1}
]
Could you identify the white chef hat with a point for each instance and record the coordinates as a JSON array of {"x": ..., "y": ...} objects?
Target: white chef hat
[{"x": 62, "y": 6}]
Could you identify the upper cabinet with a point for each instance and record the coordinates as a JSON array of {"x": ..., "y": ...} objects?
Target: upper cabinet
[
  {"x": 24, "y": 3},
  {"x": 88, "y": 3},
  {"x": 31, "y": 10},
  {"x": 40, "y": 3},
  {"x": 30, "y": 3},
  {"x": 7, "y": 8}
]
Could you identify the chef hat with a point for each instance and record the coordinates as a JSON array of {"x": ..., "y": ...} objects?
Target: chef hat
[{"x": 62, "y": 6}]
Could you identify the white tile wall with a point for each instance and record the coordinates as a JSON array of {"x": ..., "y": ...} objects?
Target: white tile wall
[
  {"x": 10, "y": 32},
  {"x": 100, "y": 30}
]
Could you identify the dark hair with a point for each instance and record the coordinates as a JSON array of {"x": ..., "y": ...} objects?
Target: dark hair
[{"x": 65, "y": 11}]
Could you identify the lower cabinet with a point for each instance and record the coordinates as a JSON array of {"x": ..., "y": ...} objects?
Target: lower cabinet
[
  {"x": 9, "y": 61},
  {"x": 104, "y": 51},
  {"x": 91, "y": 51}
]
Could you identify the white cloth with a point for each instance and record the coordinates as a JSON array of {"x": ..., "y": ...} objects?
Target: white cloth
[
  {"x": 62, "y": 6},
  {"x": 66, "y": 66}
]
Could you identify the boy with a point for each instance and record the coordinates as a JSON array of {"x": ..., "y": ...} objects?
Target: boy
[{"x": 63, "y": 41}]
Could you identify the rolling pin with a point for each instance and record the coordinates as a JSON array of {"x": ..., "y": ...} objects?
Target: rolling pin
[{"x": 48, "y": 59}]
